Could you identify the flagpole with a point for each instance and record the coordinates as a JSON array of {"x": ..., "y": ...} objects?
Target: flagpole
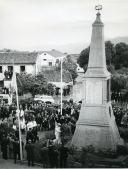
[
  {"x": 18, "y": 109},
  {"x": 61, "y": 84}
]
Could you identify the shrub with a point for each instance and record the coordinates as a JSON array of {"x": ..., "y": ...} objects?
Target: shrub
[
  {"x": 107, "y": 153},
  {"x": 122, "y": 150}
]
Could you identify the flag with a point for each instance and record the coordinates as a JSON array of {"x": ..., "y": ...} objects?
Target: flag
[
  {"x": 15, "y": 90},
  {"x": 13, "y": 82}
]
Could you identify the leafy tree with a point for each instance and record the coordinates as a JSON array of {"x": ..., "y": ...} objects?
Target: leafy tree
[
  {"x": 123, "y": 71},
  {"x": 121, "y": 57},
  {"x": 118, "y": 82},
  {"x": 50, "y": 89},
  {"x": 115, "y": 55},
  {"x": 110, "y": 52},
  {"x": 84, "y": 55},
  {"x": 35, "y": 84},
  {"x": 83, "y": 58},
  {"x": 111, "y": 69},
  {"x": 25, "y": 82},
  {"x": 69, "y": 65}
]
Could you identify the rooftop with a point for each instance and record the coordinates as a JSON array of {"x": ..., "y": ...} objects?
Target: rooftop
[
  {"x": 17, "y": 57},
  {"x": 54, "y": 53},
  {"x": 10, "y": 57},
  {"x": 55, "y": 76}
]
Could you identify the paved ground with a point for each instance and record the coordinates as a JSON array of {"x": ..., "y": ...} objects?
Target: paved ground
[{"x": 9, "y": 164}]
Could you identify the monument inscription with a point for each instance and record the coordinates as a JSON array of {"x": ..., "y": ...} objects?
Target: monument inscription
[{"x": 94, "y": 91}]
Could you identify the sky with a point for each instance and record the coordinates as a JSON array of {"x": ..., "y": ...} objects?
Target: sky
[{"x": 64, "y": 25}]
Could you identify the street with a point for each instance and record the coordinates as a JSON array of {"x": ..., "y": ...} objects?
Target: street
[{"x": 9, "y": 164}]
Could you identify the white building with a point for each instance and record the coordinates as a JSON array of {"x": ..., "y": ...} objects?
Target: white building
[
  {"x": 31, "y": 63},
  {"x": 48, "y": 59}
]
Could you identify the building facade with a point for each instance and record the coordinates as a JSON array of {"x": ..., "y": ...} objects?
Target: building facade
[{"x": 30, "y": 63}]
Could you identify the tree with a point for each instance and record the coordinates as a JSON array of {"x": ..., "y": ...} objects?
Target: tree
[
  {"x": 109, "y": 50},
  {"x": 24, "y": 82},
  {"x": 69, "y": 65},
  {"x": 121, "y": 57},
  {"x": 118, "y": 82},
  {"x": 123, "y": 71},
  {"x": 111, "y": 69},
  {"x": 50, "y": 89},
  {"x": 83, "y": 58},
  {"x": 35, "y": 84}
]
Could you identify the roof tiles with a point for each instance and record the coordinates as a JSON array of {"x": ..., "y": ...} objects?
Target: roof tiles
[{"x": 17, "y": 58}]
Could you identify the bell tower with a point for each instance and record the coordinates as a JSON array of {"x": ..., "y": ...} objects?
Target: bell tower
[{"x": 96, "y": 125}]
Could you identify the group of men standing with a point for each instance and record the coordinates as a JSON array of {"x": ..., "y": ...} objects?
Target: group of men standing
[
  {"x": 54, "y": 156},
  {"x": 10, "y": 148}
]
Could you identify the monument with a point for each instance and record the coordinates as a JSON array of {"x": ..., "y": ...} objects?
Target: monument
[{"x": 96, "y": 125}]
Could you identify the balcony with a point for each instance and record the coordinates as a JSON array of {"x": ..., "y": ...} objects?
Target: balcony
[{"x": 8, "y": 75}]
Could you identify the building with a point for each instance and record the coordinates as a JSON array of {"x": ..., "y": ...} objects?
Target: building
[
  {"x": 54, "y": 77},
  {"x": 48, "y": 59},
  {"x": 29, "y": 62}
]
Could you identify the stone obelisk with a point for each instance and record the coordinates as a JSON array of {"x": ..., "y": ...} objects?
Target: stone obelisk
[{"x": 96, "y": 124}]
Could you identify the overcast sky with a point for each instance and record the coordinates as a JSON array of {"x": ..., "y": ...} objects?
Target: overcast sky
[{"x": 65, "y": 25}]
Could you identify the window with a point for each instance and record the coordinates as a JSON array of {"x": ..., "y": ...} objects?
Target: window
[
  {"x": 22, "y": 68},
  {"x": 50, "y": 63},
  {"x": 57, "y": 60},
  {"x": 44, "y": 59},
  {"x": 1, "y": 83},
  {"x": 0, "y": 69},
  {"x": 10, "y": 68}
]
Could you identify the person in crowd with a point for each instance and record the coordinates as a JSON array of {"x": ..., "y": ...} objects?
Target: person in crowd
[
  {"x": 44, "y": 157},
  {"x": 35, "y": 134},
  {"x": 63, "y": 156},
  {"x": 11, "y": 139},
  {"x": 53, "y": 156},
  {"x": 4, "y": 146},
  {"x": 30, "y": 152},
  {"x": 16, "y": 149},
  {"x": 30, "y": 135}
]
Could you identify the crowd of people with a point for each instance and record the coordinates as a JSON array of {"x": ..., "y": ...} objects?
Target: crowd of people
[
  {"x": 35, "y": 117},
  {"x": 120, "y": 111}
]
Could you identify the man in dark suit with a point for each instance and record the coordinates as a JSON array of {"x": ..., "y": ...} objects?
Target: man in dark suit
[
  {"x": 63, "y": 156},
  {"x": 30, "y": 152},
  {"x": 16, "y": 149},
  {"x": 4, "y": 146}
]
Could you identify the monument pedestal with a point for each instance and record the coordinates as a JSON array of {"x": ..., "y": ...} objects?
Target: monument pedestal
[{"x": 96, "y": 126}]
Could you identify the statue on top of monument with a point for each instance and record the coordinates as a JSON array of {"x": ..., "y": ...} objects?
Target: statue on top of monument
[{"x": 98, "y": 8}]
